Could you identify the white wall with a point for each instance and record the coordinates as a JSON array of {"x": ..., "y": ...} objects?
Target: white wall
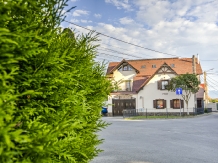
[
  {"x": 212, "y": 105},
  {"x": 124, "y": 75},
  {"x": 150, "y": 93}
]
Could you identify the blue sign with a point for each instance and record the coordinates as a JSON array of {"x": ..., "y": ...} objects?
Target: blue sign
[{"x": 179, "y": 91}]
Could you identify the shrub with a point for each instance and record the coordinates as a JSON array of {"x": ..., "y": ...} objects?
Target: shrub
[
  {"x": 51, "y": 89},
  {"x": 206, "y": 110}
]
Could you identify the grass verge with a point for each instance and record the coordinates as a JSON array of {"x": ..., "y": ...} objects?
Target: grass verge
[{"x": 158, "y": 117}]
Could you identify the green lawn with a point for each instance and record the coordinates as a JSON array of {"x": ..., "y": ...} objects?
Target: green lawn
[{"x": 158, "y": 117}]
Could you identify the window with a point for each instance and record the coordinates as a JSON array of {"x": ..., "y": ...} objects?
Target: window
[
  {"x": 175, "y": 103},
  {"x": 159, "y": 104},
  {"x": 130, "y": 68},
  {"x": 162, "y": 84},
  {"x": 199, "y": 103},
  {"x": 125, "y": 68},
  {"x": 172, "y": 65},
  {"x": 128, "y": 85},
  {"x": 153, "y": 66},
  {"x": 143, "y": 66}
]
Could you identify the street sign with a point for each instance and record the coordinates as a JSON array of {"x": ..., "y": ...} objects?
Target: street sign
[{"x": 179, "y": 91}]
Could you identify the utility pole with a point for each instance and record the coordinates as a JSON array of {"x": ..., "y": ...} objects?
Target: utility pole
[
  {"x": 194, "y": 72},
  {"x": 205, "y": 88},
  {"x": 194, "y": 64}
]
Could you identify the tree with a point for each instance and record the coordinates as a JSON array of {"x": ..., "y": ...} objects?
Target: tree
[
  {"x": 51, "y": 89},
  {"x": 213, "y": 100},
  {"x": 188, "y": 82},
  {"x": 116, "y": 85}
]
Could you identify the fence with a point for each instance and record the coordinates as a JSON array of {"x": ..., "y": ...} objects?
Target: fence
[{"x": 162, "y": 112}]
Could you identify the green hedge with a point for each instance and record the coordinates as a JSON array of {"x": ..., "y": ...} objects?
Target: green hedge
[{"x": 51, "y": 89}]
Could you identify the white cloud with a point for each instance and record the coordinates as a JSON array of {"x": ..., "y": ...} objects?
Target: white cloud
[
  {"x": 73, "y": 0},
  {"x": 182, "y": 28},
  {"x": 80, "y": 12},
  {"x": 120, "y": 4},
  {"x": 85, "y": 21},
  {"x": 126, "y": 20},
  {"x": 97, "y": 15}
]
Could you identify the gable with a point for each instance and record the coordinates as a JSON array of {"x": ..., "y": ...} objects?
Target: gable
[
  {"x": 117, "y": 66},
  {"x": 165, "y": 69}
]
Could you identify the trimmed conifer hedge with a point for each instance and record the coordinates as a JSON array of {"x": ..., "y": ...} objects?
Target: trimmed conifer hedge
[{"x": 51, "y": 89}]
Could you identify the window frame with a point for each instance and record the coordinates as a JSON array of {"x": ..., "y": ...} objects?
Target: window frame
[
  {"x": 153, "y": 66},
  {"x": 160, "y": 85},
  {"x": 172, "y": 102},
  {"x": 128, "y": 85},
  {"x": 155, "y": 104},
  {"x": 172, "y": 65},
  {"x": 125, "y": 67}
]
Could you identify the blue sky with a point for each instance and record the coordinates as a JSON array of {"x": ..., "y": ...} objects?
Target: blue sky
[{"x": 178, "y": 27}]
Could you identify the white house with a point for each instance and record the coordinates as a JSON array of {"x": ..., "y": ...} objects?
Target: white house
[{"x": 142, "y": 84}]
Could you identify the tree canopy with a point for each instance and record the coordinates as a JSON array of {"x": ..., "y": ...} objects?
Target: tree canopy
[{"x": 188, "y": 82}]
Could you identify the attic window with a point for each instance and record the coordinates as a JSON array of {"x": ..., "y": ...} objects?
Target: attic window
[
  {"x": 143, "y": 66},
  {"x": 153, "y": 66},
  {"x": 125, "y": 67},
  {"x": 172, "y": 65}
]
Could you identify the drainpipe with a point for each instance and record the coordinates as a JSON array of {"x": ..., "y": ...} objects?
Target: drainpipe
[{"x": 141, "y": 97}]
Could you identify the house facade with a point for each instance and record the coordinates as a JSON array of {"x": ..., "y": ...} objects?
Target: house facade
[{"x": 141, "y": 84}]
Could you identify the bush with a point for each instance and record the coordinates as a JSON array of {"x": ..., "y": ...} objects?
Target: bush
[
  {"x": 51, "y": 90},
  {"x": 206, "y": 110}
]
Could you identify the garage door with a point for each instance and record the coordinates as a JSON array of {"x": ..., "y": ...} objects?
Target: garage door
[{"x": 120, "y": 104}]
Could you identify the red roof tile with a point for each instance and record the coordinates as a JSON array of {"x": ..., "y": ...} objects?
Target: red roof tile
[
  {"x": 138, "y": 82},
  {"x": 182, "y": 65},
  {"x": 145, "y": 70}
]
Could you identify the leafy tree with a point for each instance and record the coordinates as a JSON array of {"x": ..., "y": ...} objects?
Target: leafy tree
[
  {"x": 188, "y": 82},
  {"x": 51, "y": 89}
]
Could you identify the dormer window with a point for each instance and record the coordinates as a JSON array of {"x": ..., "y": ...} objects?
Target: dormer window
[
  {"x": 172, "y": 65},
  {"x": 143, "y": 66},
  {"x": 153, "y": 66},
  {"x": 125, "y": 67}
]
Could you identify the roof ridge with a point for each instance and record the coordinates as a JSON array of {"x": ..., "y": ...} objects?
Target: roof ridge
[{"x": 156, "y": 59}]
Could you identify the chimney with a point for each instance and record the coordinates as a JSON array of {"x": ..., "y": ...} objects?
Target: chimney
[{"x": 198, "y": 60}]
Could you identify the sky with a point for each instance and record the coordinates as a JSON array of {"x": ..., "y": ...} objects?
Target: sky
[{"x": 178, "y": 28}]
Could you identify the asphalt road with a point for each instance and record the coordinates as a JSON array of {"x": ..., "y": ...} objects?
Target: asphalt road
[{"x": 191, "y": 140}]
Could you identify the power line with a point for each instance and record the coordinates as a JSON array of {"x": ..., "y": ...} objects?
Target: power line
[
  {"x": 122, "y": 48},
  {"x": 156, "y": 51},
  {"x": 110, "y": 55},
  {"x": 213, "y": 87},
  {"x": 213, "y": 83},
  {"x": 209, "y": 84},
  {"x": 114, "y": 51},
  {"x": 99, "y": 57},
  {"x": 211, "y": 78}
]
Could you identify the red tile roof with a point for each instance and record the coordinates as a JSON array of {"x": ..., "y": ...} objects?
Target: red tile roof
[
  {"x": 138, "y": 82},
  {"x": 182, "y": 65},
  {"x": 145, "y": 70},
  {"x": 202, "y": 86}
]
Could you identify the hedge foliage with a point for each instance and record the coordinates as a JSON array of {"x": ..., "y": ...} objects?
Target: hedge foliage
[{"x": 51, "y": 89}]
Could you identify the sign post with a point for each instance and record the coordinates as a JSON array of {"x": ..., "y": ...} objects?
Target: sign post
[{"x": 179, "y": 92}]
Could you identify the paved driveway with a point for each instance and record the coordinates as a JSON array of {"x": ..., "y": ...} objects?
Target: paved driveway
[{"x": 191, "y": 140}]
